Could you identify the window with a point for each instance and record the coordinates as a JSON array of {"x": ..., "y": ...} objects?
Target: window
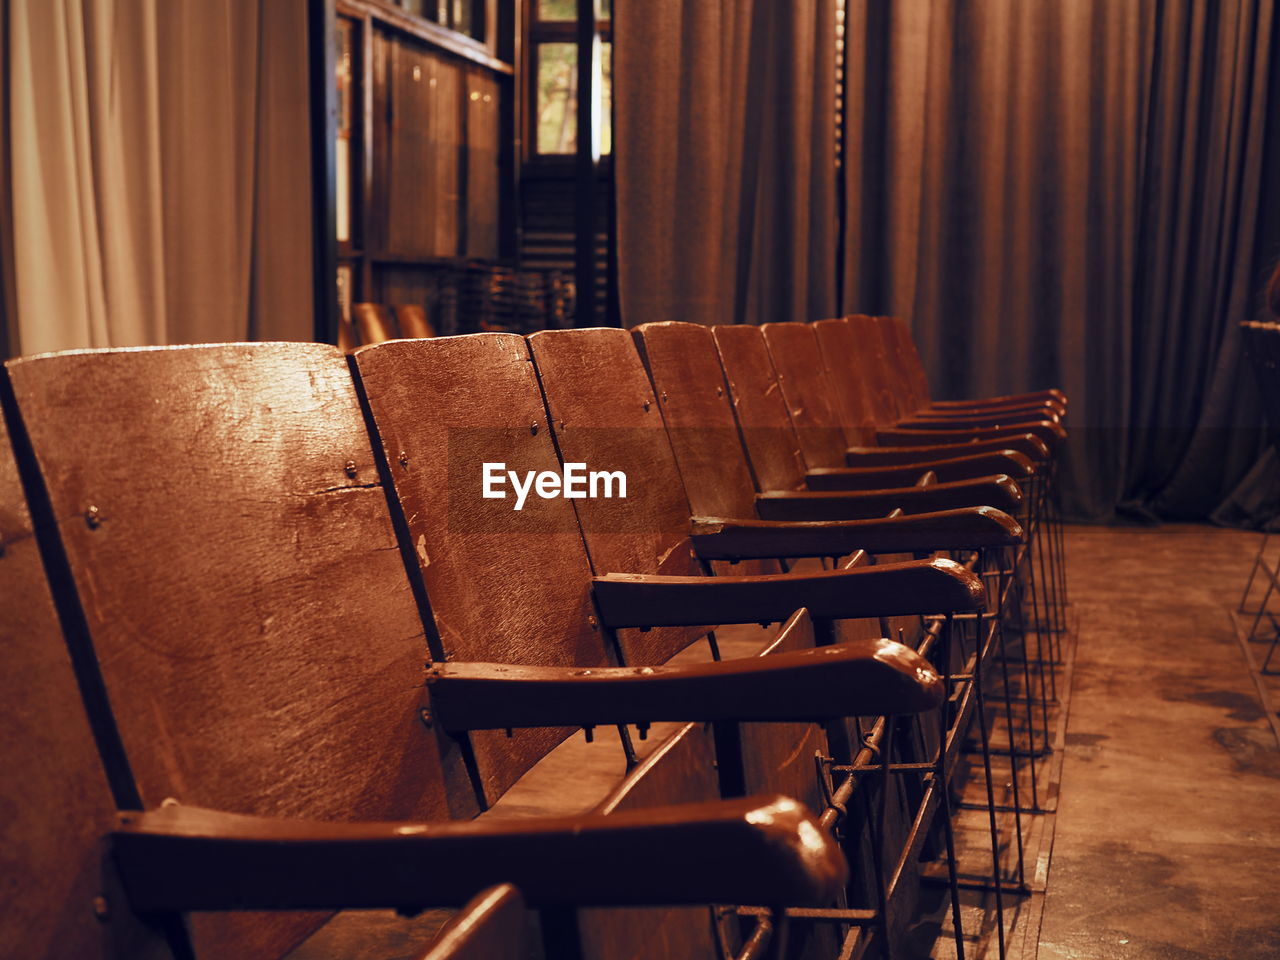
[
  {"x": 464, "y": 16},
  {"x": 554, "y": 77}
]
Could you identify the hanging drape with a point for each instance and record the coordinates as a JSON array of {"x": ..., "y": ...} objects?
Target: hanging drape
[
  {"x": 724, "y": 134},
  {"x": 1072, "y": 194},
  {"x": 158, "y": 172}
]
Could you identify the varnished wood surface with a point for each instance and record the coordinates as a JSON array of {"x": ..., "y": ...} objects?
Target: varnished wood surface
[
  {"x": 494, "y": 925},
  {"x": 796, "y": 685},
  {"x": 964, "y": 529},
  {"x": 1008, "y": 462},
  {"x": 412, "y": 319},
  {"x": 684, "y": 367},
  {"x": 999, "y": 492},
  {"x": 683, "y": 769},
  {"x": 767, "y": 433},
  {"x": 810, "y": 399},
  {"x": 857, "y": 396},
  {"x": 504, "y": 585},
  {"x": 1028, "y": 445},
  {"x": 764, "y": 848},
  {"x": 605, "y": 414},
  {"x": 633, "y": 600},
  {"x": 57, "y": 897},
  {"x": 234, "y": 558},
  {"x": 375, "y": 322},
  {"x": 1046, "y": 432}
]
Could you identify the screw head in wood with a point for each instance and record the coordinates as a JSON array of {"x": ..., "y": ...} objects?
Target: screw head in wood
[
  {"x": 351, "y": 469},
  {"x": 92, "y": 517}
]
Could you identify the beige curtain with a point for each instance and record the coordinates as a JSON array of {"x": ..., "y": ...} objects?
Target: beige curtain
[
  {"x": 724, "y": 153},
  {"x": 1067, "y": 194},
  {"x": 159, "y": 172}
]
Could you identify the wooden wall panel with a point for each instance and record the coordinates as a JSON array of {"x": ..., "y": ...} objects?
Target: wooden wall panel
[{"x": 483, "y": 146}]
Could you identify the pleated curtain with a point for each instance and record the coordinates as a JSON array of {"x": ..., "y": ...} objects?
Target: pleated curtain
[
  {"x": 158, "y": 172},
  {"x": 724, "y": 152}
]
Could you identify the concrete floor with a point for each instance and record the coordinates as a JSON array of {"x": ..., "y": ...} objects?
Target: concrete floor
[
  {"x": 1167, "y": 841},
  {"x": 1164, "y": 798}
]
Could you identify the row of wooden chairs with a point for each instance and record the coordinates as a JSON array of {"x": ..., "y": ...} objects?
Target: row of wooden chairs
[{"x": 223, "y": 551}]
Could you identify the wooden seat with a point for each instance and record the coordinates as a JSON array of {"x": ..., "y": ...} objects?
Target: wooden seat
[{"x": 232, "y": 580}]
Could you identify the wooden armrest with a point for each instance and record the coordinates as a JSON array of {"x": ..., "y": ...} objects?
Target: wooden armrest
[
  {"x": 993, "y": 418},
  {"x": 963, "y": 529},
  {"x": 1052, "y": 394},
  {"x": 869, "y": 677},
  {"x": 1027, "y": 444},
  {"x": 920, "y": 587},
  {"x": 1050, "y": 433},
  {"x": 967, "y": 467},
  {"x": 1020, "y": 411},
  {"x": 753, "y": 850},
  {"x": 997, "y": 491}
]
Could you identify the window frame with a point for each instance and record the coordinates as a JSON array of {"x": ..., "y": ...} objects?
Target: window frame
[{"x": 536, "y": 32}]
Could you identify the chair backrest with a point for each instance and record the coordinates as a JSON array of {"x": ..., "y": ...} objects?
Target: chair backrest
[
  {"x": 57, "y": 898},
  {"x": 503, "y": 585},
  {"x": 375, "y": 322},
  {"x": 604, "y": 413},
  {"x": 809, "y": 398},
  {"x": 862, "y": 351},
  {"x": 902, "y": 345},
  {"x": 229, "y": 542},
  {"x": 856, "y": 397},
  {"x": 685, "y": 371},
  {"x": 767, "y": 432},
  {"x": 412, "y": 318}
]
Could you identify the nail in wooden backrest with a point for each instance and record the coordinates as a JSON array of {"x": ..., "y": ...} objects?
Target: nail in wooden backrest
[
  {"x": 235, "y": 561},
  {"x": 809, "y": 398},
  {"x": 375, "y": 322},
  {"x": 859, "y": 351},
  {"x": 504, "y": 585},
  {"x": 853, "y": 395},
  {"x": 57, "y": 898},
  {"x": 605, "y": 414},
  {"x": 767, "y": 431}
]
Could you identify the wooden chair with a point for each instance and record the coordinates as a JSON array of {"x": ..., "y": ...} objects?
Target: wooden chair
[
  {"x": 375, "y": 322},
  {"x": 413, "y": 321},
  {"x": 231, "y": 588},
  {"x": 902, "y": 355},
  {"x": 801, "y": 370},
  {"x": 862, "y": 399},
  {"x": 529, "y": 567},
  {"x": 1005, "y": 417}
]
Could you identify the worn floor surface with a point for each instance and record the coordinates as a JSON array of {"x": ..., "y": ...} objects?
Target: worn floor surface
[{"x": 1167, "y": 842}]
